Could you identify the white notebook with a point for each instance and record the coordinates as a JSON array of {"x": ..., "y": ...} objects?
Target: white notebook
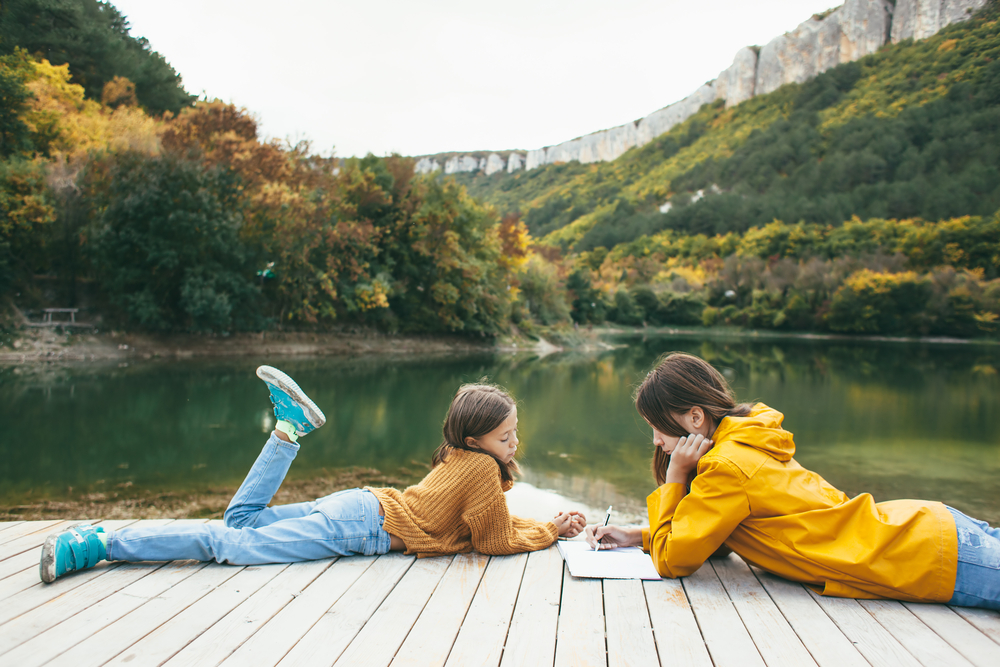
[{"x": 626, "y": 563}]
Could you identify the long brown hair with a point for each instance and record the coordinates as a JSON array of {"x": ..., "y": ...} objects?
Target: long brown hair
[
  {"x": 676, "y": 384},
  {"x": 476, "y": 410}
]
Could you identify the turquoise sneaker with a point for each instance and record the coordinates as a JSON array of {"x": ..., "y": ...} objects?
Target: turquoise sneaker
[
  {"x": 291, "y": 405},
  {"x": 77, "y": 548}
]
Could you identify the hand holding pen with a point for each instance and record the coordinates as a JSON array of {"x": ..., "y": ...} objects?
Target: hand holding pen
[{"x": 606, "y": 519}]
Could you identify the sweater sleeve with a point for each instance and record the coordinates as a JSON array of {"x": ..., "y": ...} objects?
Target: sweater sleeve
[
  {"x": 684, "y": 530},
  {"x": 494, "y": 531}
]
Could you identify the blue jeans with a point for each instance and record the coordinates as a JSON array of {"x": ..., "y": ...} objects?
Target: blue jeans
[
  {"x": 341, "y": 524},
  {"x": 978, "y": 581}
]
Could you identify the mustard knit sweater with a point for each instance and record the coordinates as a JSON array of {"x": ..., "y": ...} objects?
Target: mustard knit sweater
[{"x": 460, "y": 507}]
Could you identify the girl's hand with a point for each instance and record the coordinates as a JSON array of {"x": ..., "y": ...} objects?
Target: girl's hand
[
  {"x": 612, "y": 537},
  {"x": 569, "y": 524},
  {"x": 684, "y": 457}
]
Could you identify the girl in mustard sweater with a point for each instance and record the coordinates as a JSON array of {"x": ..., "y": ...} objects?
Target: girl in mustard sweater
[
  {"x": 727, "y": 479},
  {"x": 458, "y": 507}
]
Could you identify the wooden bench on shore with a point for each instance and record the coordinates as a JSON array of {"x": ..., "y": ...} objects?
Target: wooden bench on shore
[
  {"x": 48, "y": 321},
  {"x": 462, "y": 610}
]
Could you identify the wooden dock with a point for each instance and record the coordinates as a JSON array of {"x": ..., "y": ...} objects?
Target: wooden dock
[{"x": 464, "y": 610}]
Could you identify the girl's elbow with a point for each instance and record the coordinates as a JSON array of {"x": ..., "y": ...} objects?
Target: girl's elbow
[
  {"x": 663, "y": 570},
  {"x": 672, "y": 569}
]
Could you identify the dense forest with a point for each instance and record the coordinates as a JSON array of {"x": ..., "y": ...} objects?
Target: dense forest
[{"x": 862, "y": 201}]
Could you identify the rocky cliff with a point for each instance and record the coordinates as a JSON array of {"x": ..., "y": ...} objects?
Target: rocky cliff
[{"x": 855, "y": 29}]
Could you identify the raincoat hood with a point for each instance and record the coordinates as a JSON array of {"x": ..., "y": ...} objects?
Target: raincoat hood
[{"x": 760, "y": 430}]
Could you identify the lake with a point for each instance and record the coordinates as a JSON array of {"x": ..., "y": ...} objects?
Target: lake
[{"x": 899, "y": 420}]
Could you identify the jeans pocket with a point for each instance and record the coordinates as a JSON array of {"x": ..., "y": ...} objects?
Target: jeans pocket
[{"x": 345, "y": 505}]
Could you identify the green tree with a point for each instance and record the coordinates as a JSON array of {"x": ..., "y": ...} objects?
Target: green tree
[
  {"x": 26, "y": 214},
  {"x": 15, "y": 135},
  {"x": 165, "y": 244},
  {"x": 872, "y": 302}
]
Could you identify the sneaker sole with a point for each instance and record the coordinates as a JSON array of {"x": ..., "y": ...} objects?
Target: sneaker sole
[
  {"x": 281, "y": 380},
  {"x": 47, "y": 566}
]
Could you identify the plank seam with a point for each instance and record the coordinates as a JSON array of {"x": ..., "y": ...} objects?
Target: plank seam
[
  {"x": 961, "y": 612},
  {"x": 467, "y": 609},
  {"x": 792, "y": 625},
  {"x": 426, "y": 602},
  {"x": 178, "y": 612},
  {"x": 513, "y": 608}
]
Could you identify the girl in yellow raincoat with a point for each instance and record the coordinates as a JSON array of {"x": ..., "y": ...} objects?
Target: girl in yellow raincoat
[{"x": 727, "y": 478}]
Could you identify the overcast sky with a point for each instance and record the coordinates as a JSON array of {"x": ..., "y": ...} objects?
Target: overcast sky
[{"x": 417, "y": 77}]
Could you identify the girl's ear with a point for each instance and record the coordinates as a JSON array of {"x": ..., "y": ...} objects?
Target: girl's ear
[
  {"x": 697, "y": 416},
  {"x": 471, "y": 443}
]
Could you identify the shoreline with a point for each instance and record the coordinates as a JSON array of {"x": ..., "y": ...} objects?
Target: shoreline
[
  {"x": 57, "y": 345},
  {"x": 529, "y": 499}
]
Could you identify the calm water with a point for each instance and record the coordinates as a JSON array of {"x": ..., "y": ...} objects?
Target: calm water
[{"x": 897, "y": 420}]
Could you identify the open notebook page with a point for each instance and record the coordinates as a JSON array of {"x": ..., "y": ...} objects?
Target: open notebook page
[{"x": 627, "y": 563}]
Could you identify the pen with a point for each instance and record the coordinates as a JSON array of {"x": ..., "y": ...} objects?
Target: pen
[{"x": 606, "y": 519}]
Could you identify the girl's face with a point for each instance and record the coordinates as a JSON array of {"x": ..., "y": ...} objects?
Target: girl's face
[
  {"x": 502, "y": 441},
  {"x": 663, "y": 441},
  {"x": 693, "y": 421}
]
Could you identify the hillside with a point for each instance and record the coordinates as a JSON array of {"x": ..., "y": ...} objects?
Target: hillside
[{"x": 910, "y": 131}]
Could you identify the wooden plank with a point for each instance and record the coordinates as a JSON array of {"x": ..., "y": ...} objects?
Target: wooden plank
[
  {"x": 272, "y": 641},
  {"x": 335, "y": 630},
  {"x": 772, "y": 635},
  {"x": 531, "y": 639},
  {"x": 30, "y": 527},
  {"x": 820, "y": 635},
  {"x": 6, "y": 525},
  {"x": 44, "y": 640},
  {"x": 986, "y": 620},
  {"x": 100, "y": 646},
  {"x": 31, "y": 540},
  {"x": 922, "y": 642},
  {"x": 874, "y": 642},
  {"x": 678, "y": 638},
  {"x": 26, "y": 560},
  {"x": 630, "y": 634},
  {"x": 212, "y": 645},
  {"x": 380, "y": 638},
  {"x": 580, "y": 637},
  {"x": 431, "y": 638},
  {"x": 41, "y": 604},
  {"x": 29, "y": 558},
  {"x": 966, "y": 639},
  {"x": 63, "y": 639},
  {"x": 29, "y": 575},
  {"x": 37, "y": 593},
  {"x": 480, "y": 640},
  {"x": 727, "y": 639}
]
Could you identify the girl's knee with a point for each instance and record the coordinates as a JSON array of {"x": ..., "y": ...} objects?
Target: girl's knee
[{"x": 239, "y": 517}]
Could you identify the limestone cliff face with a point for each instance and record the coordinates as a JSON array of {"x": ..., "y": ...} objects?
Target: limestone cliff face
[
  {"x": 855, "y": 29},
  {"x": 851, "y": 31},
  {"x": 738, "y": 83},
  {"x": 922, "y": 18}
]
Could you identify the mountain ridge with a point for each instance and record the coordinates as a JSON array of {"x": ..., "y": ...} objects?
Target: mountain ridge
[{"x": 844, "y": 34}]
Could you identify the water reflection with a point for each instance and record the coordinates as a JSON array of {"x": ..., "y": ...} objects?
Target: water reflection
[{"x": 898, "y": 420}]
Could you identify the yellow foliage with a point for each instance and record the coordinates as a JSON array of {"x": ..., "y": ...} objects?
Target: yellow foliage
[
  {"x": 371, "y": 296},
  {"x": 877, "y": 282},
  {"x": 77, "y": 126},
  {"x": 694, "y": 275},
  {"x": 119, "y": 91}
]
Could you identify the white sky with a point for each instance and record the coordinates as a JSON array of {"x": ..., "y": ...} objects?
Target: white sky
[{"x": 428, "y": 76}]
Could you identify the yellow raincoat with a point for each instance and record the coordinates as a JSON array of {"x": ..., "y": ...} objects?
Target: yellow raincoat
[{"x": 750, "y": 495}]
